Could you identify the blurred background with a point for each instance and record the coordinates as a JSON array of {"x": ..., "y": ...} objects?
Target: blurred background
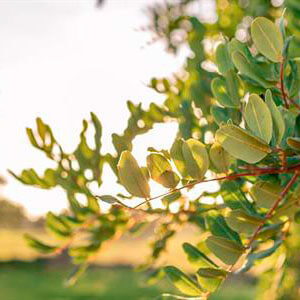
[{"x": 60, "y": 60}]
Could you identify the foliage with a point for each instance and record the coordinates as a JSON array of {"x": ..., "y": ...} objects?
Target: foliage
[{"x": 237, "y": 106}]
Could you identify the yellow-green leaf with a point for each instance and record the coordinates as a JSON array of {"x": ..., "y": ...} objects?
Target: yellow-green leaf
[
  {"x": 181, "y": 281},
  {"x": 223, "y": 59},
  {"x": 220, "y": 157},
  {"x": 161, "y": 170},
  {"x": 177, "y": 157},
  {"x": 210, "y": 278},
  {"x": 226, "y": 250},
  {"x": 197, "y": 258},
  {"x": 267, "y": 39},
  {"x": 196, "y": 158},
  {"x": 265, "y": 193},
  {"x": 246, "y": 67},
  {"x": 278, "y": 122},
  {"x": 241, "y": 222},
  {"x": 131, "y": 176},
  {"x": 241, "y": 144},
  {"x": 258, "y": 118}
]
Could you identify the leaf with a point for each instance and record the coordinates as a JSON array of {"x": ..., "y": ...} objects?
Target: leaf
[
  {"x": 247, "y": 68},
  {"x": 289, "y": 120},
  {"x": 294, "y": 143},
  {"x": 232, "y": 82},
  {"x": 108, "y": 199},
  {"x": 220, "y": 92},
  {"x": 241, "y": 222},
  {"x": 197, "y": 258},
  {"x": 218, "y": 227},
  {"x": 278, "y": 122},
  {"x": 182, "y": 282},
  {"x": 41, "y": 247},
  {"x": 251, "y": 259},
  {"x": 131, "y": 176},
  {"x": 265, "y": 193},
  {"x": 258, "y": 118},
  {"x": 196, "y": 158},
  {"x": 234, "y": 198},
  {"x": 267, "y": 39},
  {"x": 171, "y": 198},
  {"x": 219, "y": 114},
  {"x": 169, "y": 179},
  {"x": 241, "y": 144},
  {"x": 220, "y": 158},
  {"x": 177, "y": 157},
  {"x": 57, "y": 225},
  {"x": 210, "y": 278},
  {"x": 223, "y": 59},
  {"x": 226, "y": 250},
  {"x": 161, "y": 171}
]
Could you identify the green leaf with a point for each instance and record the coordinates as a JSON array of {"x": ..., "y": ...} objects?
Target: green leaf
[
  {"x": 218, "y": 227},
  {"x": 196, "y": 158},
  {"x": 177, "y": 157},
  {"x": 197, "y": 258},
  {"x": 247, "y": 68},
  {"x": 182, "y": 282},
  {"x": 108, "y": 199},
  {"x": 57, "y": 225},
  {"x": 211, "y": 278},
  {"x": 241, "y": 222},
  {"x": 294, "y": 143},
  {"x": 234, "y": 139},
  {"x": 226, "y": 250},
  {"x": 219, "y": 114},
  {"x": 223, "y": 59},
  {"x": 278, "y": 122},
  {"x": 41, "y": 247},
  {"x": 234, "y": 198},
  {"x": 131, "y": 176},
  {"x": 267, "y": 39},
  {"x": 220, "y": 158},
  {"x": 232, "y": 83},
  {"x": 221, "y": 92},
  {"x": 258, "y": 118},
  {"x": 171, "y": 198},
  {"x": 265, "y": 193},
  {"x": 161, "y": 171}
]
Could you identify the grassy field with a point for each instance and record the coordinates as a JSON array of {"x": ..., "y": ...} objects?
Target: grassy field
[{"x": 35, "y": 282}]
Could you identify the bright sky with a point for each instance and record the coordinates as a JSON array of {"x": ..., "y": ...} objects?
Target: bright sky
[{"x": 61, "y": 59}]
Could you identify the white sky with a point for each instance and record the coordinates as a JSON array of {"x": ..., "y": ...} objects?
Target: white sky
[{"x": 61, "y": 59}]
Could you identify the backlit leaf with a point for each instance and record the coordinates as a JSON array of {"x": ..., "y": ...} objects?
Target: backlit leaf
[
  {"x": 181, "y": 281},
  {"x": 265, "y": 193},
  {"x": 226, "y": 250},
  {"x": 241, "y": 144},
  {"x": 197, "y": 258},
  {"x": 196, "y": 158},
  {"x": 131, "y": 176},
  {"x": 267, "y": 39},
  {"x": 258, "y": 118},
  {"x": 210, "y": 278},
  {"x": 278, "y": 122}
]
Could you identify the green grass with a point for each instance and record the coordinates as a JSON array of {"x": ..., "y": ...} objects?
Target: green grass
[{"x": 35, "y": 282}]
